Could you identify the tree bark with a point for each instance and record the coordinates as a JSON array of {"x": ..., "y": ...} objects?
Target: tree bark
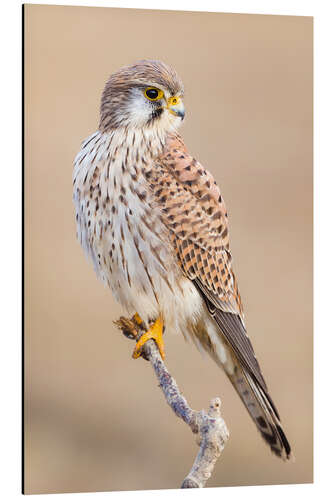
[{"x": 208, "y": 426}]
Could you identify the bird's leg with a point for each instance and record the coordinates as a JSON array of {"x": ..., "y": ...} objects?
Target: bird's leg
[
  {"x": 137, "y": 319},
  {"x": 155, "y": 332}
]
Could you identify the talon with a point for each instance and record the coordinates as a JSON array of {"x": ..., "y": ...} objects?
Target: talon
[
  {"x": 137, "y": 319},
  {"x": 155, "y": 332}
]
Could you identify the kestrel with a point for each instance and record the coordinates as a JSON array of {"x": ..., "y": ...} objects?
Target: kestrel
[{"x": 153, "y": 221}]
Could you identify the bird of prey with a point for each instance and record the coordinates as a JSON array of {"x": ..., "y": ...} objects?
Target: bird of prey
[{"x": 152, "y": 220}]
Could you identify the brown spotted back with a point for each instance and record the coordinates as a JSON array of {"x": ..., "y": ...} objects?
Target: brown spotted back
[{"x": 196, "y": 216}]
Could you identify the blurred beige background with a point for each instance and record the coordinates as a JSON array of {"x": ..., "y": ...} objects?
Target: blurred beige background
[{"x": 94, "y": 418}]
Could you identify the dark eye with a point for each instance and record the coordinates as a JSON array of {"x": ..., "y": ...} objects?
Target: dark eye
[{"x": 153, "y": 94}]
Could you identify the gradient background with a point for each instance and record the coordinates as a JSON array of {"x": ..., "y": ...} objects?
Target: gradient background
[{"x": 95, "y": 419}]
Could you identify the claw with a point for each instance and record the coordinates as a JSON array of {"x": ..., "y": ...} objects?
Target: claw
[
  {"x": 155, "y": 332},
  {"x": 137, "y": 319}
]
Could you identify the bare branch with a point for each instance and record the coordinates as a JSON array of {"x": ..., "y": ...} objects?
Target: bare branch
[{"x": 209, "y": 427}]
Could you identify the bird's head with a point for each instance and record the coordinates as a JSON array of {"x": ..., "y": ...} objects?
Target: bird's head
[{"x": 144, "y": 95}]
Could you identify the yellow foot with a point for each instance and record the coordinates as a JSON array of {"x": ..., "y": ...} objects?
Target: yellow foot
[
  {"x": 155, "y": 332},
  {"x": 137, "y": 318}
]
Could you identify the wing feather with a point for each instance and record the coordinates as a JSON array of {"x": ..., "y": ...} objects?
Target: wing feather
[{"x": 196, "y": 216}]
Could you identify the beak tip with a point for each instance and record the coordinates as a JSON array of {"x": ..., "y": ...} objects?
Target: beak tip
[{"x": 176, "y": 107}]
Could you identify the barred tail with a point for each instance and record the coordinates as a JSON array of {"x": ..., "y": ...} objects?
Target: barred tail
[{"x": 262, "y": 410}]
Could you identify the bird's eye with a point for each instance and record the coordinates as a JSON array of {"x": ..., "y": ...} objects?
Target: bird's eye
[{"x": 153, "y": 94}]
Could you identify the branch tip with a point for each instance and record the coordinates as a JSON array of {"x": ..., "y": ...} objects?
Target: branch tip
[{"x": 209, "y": 427}]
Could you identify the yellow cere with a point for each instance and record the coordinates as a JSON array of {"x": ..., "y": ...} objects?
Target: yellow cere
[
  {"x": 153, "y": 94},
  {"x": 174, "y": 100}
]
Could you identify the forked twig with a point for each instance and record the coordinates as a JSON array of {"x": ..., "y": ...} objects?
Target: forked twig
[{"x": 208, "y": 426}]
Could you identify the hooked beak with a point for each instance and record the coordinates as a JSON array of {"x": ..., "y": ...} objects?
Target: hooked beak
[{"x": 176, "y": 106}]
